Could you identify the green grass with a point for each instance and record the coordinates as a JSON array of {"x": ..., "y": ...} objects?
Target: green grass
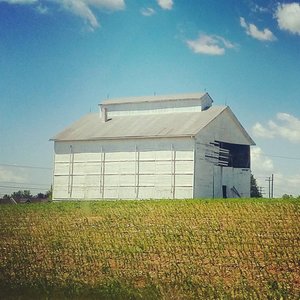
[{"x": 194, "y": 249}]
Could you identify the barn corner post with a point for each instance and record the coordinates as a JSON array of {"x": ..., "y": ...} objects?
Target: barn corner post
[
  {"x": 53, "y": 173},
  {"x": 137, "y": 172},
  {"x": 194, "y": 166},
  {"x": 103, "y": 173},
  {"x": 71, "y": 170},
  {"x": 173, "y": 171}
]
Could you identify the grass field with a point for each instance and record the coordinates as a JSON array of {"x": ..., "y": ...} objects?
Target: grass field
[{"x": 195, "y": 249}]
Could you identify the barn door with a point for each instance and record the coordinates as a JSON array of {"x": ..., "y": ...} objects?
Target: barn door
[{"x": 224, "y": 191}]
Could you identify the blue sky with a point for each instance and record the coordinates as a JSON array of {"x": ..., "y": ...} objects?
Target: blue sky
[{"x": 60, "y": 59}]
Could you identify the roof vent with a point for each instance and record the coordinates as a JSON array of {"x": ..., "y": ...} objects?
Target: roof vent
[{"x": 104, "y": 114}]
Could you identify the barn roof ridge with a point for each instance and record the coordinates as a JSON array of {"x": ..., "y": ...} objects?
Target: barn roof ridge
[{"x": 155, "y": 98}]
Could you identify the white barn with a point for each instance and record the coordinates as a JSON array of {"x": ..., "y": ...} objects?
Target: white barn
[{"x": 172, "y": 147}]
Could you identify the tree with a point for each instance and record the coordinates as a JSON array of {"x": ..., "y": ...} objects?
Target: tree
[
  {"x": 49, "y": 193},
  {"x": 21, "y": 194},
  {"x": 254, "y": 191}
]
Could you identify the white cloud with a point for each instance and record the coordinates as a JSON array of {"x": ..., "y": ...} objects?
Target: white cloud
[
  {"x": 147, "y": 11},
  {"x": 81, "y": 8},
  {"x": 19, "y": 1},
  {"x": 260, "y": 9},
  {"x": 165, "y": 4},
  {"x": 288, "y": 17},
  {"x": 286, "y": 126},
  {"x": 209, "y": 44},
  {"x": 260, "y": 131},
  {"x": 253, "y": 31},
  {"x": 286, "y": 184},
  {"x": 260, "y": 163},
  {"x": 109, "y": 4},
  {"x": 263, "y": 167},
  {"x": 42, "y": 9}
]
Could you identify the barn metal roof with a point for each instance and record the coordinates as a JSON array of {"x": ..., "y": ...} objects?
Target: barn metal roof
[
  {"x": 155, "y": 98},
  {"x": 186, "y": 124}
]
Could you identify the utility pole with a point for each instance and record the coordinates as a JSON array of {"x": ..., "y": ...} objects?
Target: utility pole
[
  {"x": 272, "y": 187},
  {"x": 269, "y": 181}
]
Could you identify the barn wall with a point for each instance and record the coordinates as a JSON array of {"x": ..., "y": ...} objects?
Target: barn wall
[
  {"x": 128, "y": 169},
  {"x": 209, "y": 178}
]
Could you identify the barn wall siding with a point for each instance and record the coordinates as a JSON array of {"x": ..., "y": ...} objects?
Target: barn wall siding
[
  {"x": 131, "y": 169},
  {"x": 209, "y": 178}
]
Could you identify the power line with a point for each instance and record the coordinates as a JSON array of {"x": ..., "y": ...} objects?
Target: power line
[
  {"x": 25, "y": 166},
  {"x": 18, "y": 187},
  {"x": 279, "y": 156},
  {"x": 24, "y": 183}
]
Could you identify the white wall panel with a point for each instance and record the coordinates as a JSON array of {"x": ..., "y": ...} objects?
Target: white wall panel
[
  {"x": 127, "y": 167},
  {"x": 91, "y": 180},
  {"x": 60, "y": 192},
  {"x": 183, "y": 192},
  {"x": 77, "y": 193},
  {"x": 86, "y": 157},
  {"x": 185, "y": 155},
  {"x": 91, "y": 168},
  {"x": 163, "y": 180},
  {"x": 111, "y": 193},
  {"x": 111, "y": 167},
  {"x": 78, "y": 168},
  {"x": 92, "y": 193},
  {"x": 184, "y": 180},
  {"x": 147, "y": 167},
  {"x": 163, "y": 167},
  {"x": 162, "y": 192},
  {"x": 147, "y": 193},
  {"x": 125, "y": 170},
  {"x": 60, "y": 180},
  {"x": 147, "y": 155},
  {"x": 79, "y": 180},
  {"x": 111, "y": 180},
  {"x": 163, "y": 155},
  {"x": 184, "y": 167},
  {"x": 119, "y": 156},
  {"x": 147, "y": 180},
  {"x": 61, "y": 168},
  {"x": 126, "y": 180},
  {"x": 62, "y": 157},
  {"x": 126, "y": 192}
]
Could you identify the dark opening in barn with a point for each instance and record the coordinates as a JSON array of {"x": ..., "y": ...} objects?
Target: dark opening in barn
[{"x": 239, "y": 155}]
